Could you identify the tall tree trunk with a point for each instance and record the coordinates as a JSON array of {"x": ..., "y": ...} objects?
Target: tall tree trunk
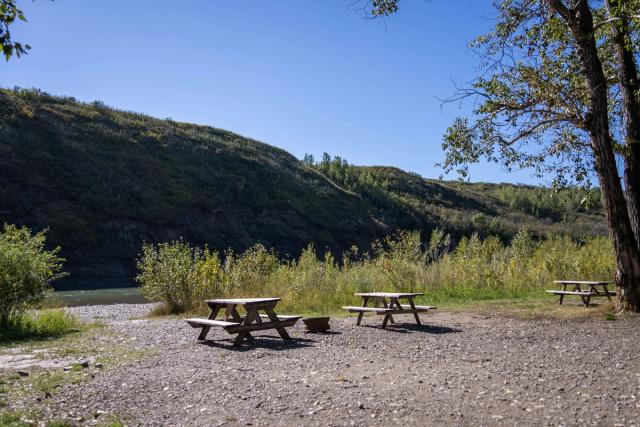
[
  {"x": 630, "y": 90},
  {"x": 580, "y": 22}
]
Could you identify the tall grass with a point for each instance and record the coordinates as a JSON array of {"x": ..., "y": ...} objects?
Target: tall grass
[
  {"x": 487, "y": 269},
  {"x": 40, "y": 324},
  {"x": 476, "y": 269}
]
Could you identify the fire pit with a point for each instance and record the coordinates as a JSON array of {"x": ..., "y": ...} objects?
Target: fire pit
[{"x": 316, "y": 324}]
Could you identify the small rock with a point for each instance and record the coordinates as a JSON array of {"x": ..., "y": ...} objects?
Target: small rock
[
  {"x": 23, "y": 373},
  {"x": 67, "y": 368},
  {"x": 98, "y": 365},
  {"x": 84, "y": 363}
]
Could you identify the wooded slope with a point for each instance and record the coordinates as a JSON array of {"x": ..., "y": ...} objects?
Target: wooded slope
[{"x": 103, "y": 181}]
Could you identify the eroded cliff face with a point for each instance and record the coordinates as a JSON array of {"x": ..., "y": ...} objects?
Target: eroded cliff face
[{"x": 111, "y": 262}]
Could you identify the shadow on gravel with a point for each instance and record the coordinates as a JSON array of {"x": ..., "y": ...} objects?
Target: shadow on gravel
[
  {"x": 323, "y": 333},
  {"x": 260, "y": 342},
  {"x": 406, "y": 328}
]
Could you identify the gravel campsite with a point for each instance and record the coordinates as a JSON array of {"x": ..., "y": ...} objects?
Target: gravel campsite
[{"x": 456, "y": 369}]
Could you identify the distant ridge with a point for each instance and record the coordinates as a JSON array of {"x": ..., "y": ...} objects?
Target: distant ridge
[{"x": 103, "y": 181}]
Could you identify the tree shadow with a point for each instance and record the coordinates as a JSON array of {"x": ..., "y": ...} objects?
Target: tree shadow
[
  {"x": 406, "y": 328},
  {"x": 578, "y": 303},
  {"x": 259, "y": 342}
]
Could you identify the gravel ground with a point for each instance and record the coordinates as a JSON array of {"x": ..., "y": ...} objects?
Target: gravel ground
[{"x": 459, "y": 369}]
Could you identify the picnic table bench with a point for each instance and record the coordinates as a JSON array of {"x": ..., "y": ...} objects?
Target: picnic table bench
[
  {"x": 577, "y": 287},
  {"x": 234, "y": 323},
  {"x": 388, "y": 308}
]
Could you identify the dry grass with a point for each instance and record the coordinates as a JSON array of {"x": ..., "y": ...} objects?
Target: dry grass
[{"x": 537, "y": 309}]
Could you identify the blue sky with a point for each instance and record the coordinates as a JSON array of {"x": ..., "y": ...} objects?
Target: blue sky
[{"x": 308, "y": 76}]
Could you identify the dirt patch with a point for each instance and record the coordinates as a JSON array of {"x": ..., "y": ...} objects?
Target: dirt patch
[
  {"x": 459, "y": 368},
  {"x": 21, "y": 361}
]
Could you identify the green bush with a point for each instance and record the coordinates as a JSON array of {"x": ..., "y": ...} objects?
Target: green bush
[
  {"x": 26, "y": 270},
  {"x": 52, "y": 323},
  {"x": 476, "y": 269},
  {"x": 179, "y": 276},
  {"x": 247, "y": 273},
  {"x": 167, "y": 274}
]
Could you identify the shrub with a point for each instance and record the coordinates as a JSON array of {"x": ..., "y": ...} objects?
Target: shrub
[
  {"x": 483, "y": 269},
  {"x": 179, "y": 276},
  {"x": 209, "y": 275},
  {"x": 398, "y": 258},
  {"x": 168, "y": 273},
  {"x": 476, "y": 269},
  {"x": 51, "y": 323},
  {"x": 26, "y": 270},
  {"x": 248, "y": 272}
]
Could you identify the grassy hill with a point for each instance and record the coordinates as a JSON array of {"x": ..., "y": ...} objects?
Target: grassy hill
[{"x": 103, "y": 181}]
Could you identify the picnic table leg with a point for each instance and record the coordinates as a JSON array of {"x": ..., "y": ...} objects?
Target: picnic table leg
[
  {"x": 203, "y": 332},
  {"x": 251, "y": 314},
  {"x": 232, "y": 312},
  {"x": 585, "y": 299},
  {"x": 564, "y": 288},
  {"x": 205, "y": 329},
  {"x": 606, "y": 291},
  {"x": 281, "y": 330},
  {"x": 388, "y": 317},
  {"x": 239, "y": 338},
  {"x": 364, "y": 304},
  {"x": 415, "y": 312},
  {"x": 394, "y": 301}
]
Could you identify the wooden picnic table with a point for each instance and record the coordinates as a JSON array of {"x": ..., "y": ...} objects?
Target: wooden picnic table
[
  {"x": 585, "y": 289},
  {"x": 234, "y": 323},
  {"x": 388, "y": 308}
]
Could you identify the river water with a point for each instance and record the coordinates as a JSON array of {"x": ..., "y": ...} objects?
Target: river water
[{"x": 129, "y": 295}]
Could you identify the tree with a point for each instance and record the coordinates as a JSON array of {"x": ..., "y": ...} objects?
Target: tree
[
  {"x": 558, "y": 92},
  {"x": 621, "y": 25},
  {"x": 309, "y": 160},
  {"x": 26, "y": 270},
  {"x": 9, "y": 12}
]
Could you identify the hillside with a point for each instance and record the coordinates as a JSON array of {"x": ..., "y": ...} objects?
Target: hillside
[
  {"x": 103, "y": 181},
  {"x": 407, "y": 200}
]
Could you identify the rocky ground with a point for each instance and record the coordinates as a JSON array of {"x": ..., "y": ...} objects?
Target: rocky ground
[{"x": 458, "y": 369}]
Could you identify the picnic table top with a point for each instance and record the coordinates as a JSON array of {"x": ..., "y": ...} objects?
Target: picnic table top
[
  {"x": 241, "y": 301},
  {"x": 389, "y": 294},
  {"x": 583, "y": 282}
]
